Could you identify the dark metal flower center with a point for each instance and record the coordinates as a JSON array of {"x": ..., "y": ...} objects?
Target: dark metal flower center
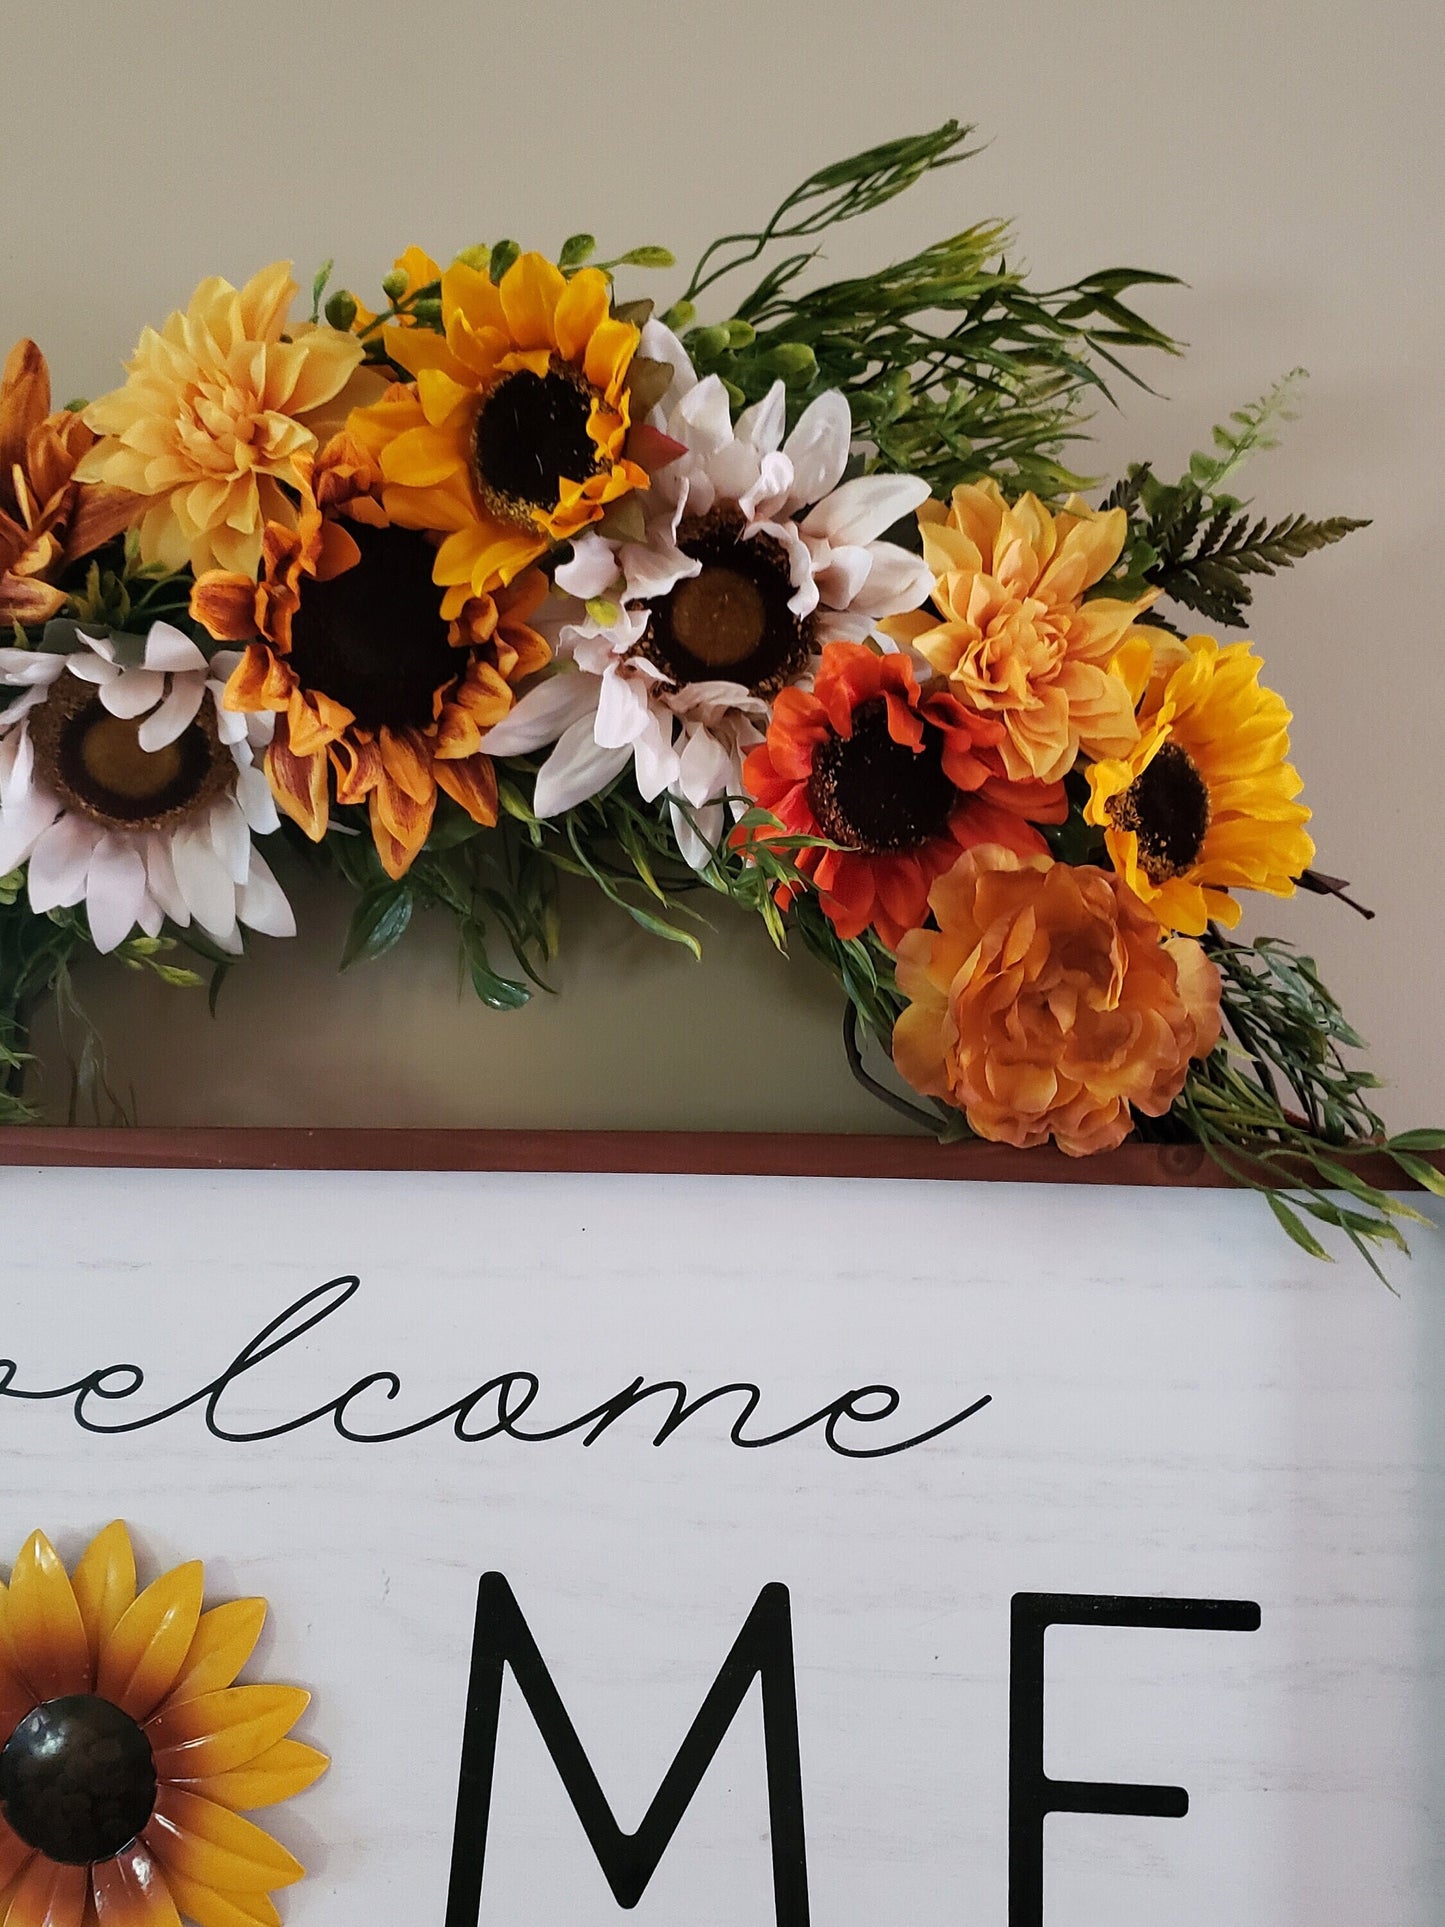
[
  {"x": 731, "y": 621},
  {"x": 373, "y": 637},
  {"x": 1167, "y": 808},
  {"x": 530, "y": 436},
  {"x": 77, "y": 1779},
  {"x": 869, "y": 793},
  {"x": 95, "y": 761}
]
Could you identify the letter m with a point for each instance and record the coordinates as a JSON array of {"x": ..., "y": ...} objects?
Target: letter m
[{"x": 762, "y": 1650}]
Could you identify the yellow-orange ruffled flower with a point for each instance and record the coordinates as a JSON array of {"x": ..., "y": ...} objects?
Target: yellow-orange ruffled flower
[
  {"x": 375, "y": 694},
  {"x": 1047, "y": 1004},
  {"x": 217, "y": 406},
  {"x": 1205, "y": 802},
  {"x": 1011, "y": 628},
  {"x": 128, "y": 1751},
  {"x": 513, "y": 436}
]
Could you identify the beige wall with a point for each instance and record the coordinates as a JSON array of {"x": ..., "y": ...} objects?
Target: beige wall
[{"x": 1285, "y": 160}]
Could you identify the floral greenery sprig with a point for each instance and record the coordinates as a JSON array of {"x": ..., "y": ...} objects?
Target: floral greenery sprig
[{"x": 794, "y": 602}]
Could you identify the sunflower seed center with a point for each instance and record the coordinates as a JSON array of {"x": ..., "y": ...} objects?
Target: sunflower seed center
[
  {"x": 96, "y": 763},
  {"x": 77, "y": 1779},
  {"x": 870, "y": 793},
  {"x": 531, "y": 436},
  {"x": 1167, "y": 808}
]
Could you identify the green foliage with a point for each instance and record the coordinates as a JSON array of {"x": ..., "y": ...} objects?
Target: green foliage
[{"x": 116, "y": 590}]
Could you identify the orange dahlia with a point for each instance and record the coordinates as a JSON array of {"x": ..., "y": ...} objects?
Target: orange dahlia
[
  {"x": 48, "y": 519},
  {"x": 128, "y": 1749},
  {"x": 901, "y": 778},
  {"x": 1047, "y": 1004},
  {"x": 375, "y": 693},
  {"x": 513, "y": 436}
]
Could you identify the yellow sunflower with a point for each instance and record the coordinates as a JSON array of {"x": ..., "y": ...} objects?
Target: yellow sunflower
[
  {"x": 513, "y": 435},
  {"x": 1205, "y": 802},
  {"x": 128, "y": 1750}
]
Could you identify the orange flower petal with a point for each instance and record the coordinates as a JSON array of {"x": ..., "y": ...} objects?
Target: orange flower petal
[
  {"x": 49, "y": 1895},
  {"x": 224, "y": 1641},
  {"x": 142, "y": 1658},
  {"x": 299, "y": 785},
  {"x": 472, "y": 782},
  {"x": 221, "y": 1731},
  {"x": 14, "y": 1855},
  {"x": 132, "y": 1891},
  {"x": 200, "y": 1841},
  {"x": 44, "y": 1625},
  {"x": 104, "y": 1584},
  {"x": 282, "y": 1770}
]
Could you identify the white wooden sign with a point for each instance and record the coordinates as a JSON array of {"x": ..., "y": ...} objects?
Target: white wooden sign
[{"x": 752, "y": 1552}]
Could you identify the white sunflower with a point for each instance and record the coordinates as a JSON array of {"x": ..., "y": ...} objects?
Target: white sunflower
[
  {"x": 751, "y": 555},
  {"x": 126, "y": 786}
]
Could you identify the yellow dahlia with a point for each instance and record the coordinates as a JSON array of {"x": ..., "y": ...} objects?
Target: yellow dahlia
[
  {"x": 215, "y": 410},
  {"x": 513, "y": 435},
  {"x": 128, "y": 1749},
  {"x": 1205, "y": 801},
  {"x": 1011, "y": 630}
]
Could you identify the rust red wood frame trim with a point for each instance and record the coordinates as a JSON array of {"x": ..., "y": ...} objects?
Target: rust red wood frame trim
[{"x": 716, "y": 1153}]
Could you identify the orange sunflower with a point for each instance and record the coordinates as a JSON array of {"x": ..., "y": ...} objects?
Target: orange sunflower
[
  {"x": 900, "y": 777},
  {"x": 128, "y": 1750},
  {"x": 375, "y": 693},
  {"x": 513, "y": 436}
]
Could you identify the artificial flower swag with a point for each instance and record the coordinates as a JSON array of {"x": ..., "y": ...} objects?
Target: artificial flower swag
[
  {"x": 127, "y": 1751},
  {"x": 514, "y": 578}
]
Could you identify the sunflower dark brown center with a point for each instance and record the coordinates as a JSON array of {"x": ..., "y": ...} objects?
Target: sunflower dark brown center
[
  {"x": 731, "y": 621},
  {"x": 1167, "y": 808},
  {"x": 96, "y": 763},
  {"x": 868, "y": 792},
  {"x": 531, "y": 434},
  {"x": 372, "y": 637},
  {"x": 77, "y": 1779}
]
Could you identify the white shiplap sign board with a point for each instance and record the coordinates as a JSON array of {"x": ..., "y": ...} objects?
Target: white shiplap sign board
[{"x": 1180, "y": 1406}]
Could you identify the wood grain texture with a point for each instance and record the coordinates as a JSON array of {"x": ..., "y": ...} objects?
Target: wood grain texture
[{"x": 716, "y": 1153}]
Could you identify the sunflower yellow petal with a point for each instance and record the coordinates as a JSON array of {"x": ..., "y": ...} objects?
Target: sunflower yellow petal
[
  {"x": 104, "y": 1584},
  {"x": 224, "y": 1641},
  {"x": 421, "y": 458},
  {"x": 609, "y": 355},
  {"x": 142, "y": 1658},
  {"x": 208, "y": 1908},
  {"x": 530, "y": 291},
  {"x": 223, "y": 1730},
  {"x": 201, "y": 1841},
  {"x": 283, "y": 1770},
  {"x": 45, "y": 1630},
  {"x": 581, "y": 310}
]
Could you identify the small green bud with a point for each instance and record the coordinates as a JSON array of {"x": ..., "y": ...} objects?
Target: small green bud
[
  {"x": 648, "y": 258},
  {"x": 341, "y": 310},
  {"x": 428, "y": 312},
  {"x": 393, "y": 284},
  {"x": 576, "y": 249},
  {"x": 705, "y": 344},
  {"x": 502, "y": 257},
  {"x": 741, "y": 334},
  {"x": 478, "y": 256},
  {"x": 793, "y": 360},
  {"x": 603, "y": 612},
  {"x": 680, "y": 315},
  {"x": 736, "y": 397}
]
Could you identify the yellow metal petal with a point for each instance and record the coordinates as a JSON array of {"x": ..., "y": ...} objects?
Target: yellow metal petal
[
  {"x": 201, "y": 1841},
  {"x": 143, "y": 1657},
  {"x": 224, "y": 1641},
  {"x": 208, "y": 1908},
  {"x": 104, "y": 1583},
  {"x": 283, "y": 1770},
  {"x": 43, "y": 1623},
  {"x": 221, "y": 1731},
  {"x": 131, "y": 1890},
  {"x": 49, "y": 1895}
]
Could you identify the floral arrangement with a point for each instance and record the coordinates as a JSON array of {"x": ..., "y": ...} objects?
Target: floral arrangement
[
  {"x": 127, "y": 1752},
  {"x": 514, "y": 577}
]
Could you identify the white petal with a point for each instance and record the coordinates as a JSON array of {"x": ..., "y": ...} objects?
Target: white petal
[
  {"x": 168, "y": 650},
  {"x": 104, "y": 646},
  {"x": 654, "y": 571},
  {"x": 60, "y": 861},
  {"x": 654, "y": 759},
  {"x": 896, "y": 581},
  {"x": 133, "y": 692},
  {"x": 93, "y": 669},
  {"x": 262, "y": 903},
  {"x": 697, "y": 845},
  {"x": 622, "y": 711},
  {"x": 702, "y": 419},
  {"x": 843, "y": 574},
  {"x": 205, "y": 881},
  {"x": 577, "y": 768},
  {"x": 659, "y": 343},
  {"x": 152, "y": 916},
  {"x": 706, "y": 771},
  {"x": 862, "y": 509},
  {"x": 592, "y": 569},
  {"x": 771, "y": 491},
  {"x": 115, "y": 890},
  {"x": 20, "y": 668},
  {"x": 253, "y": 793},
  {"x": 174, "y": 716},
  {"x": 733, "y": 470},
  {"x": 17, "y": 767},
  {"x": 818, "y": 447},
  {"x": 161, "y": 879},
  {"x": 230, "y": 835},
  {"x": 542, "y": 715},
  {"x": 763, "y": 423},
  {"x": 22, "y": 824}
]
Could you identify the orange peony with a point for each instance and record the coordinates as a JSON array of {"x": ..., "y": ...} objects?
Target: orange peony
[
  {"x": 1012, "y": 631},
  {"x": 1045, "y": 1005}
]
